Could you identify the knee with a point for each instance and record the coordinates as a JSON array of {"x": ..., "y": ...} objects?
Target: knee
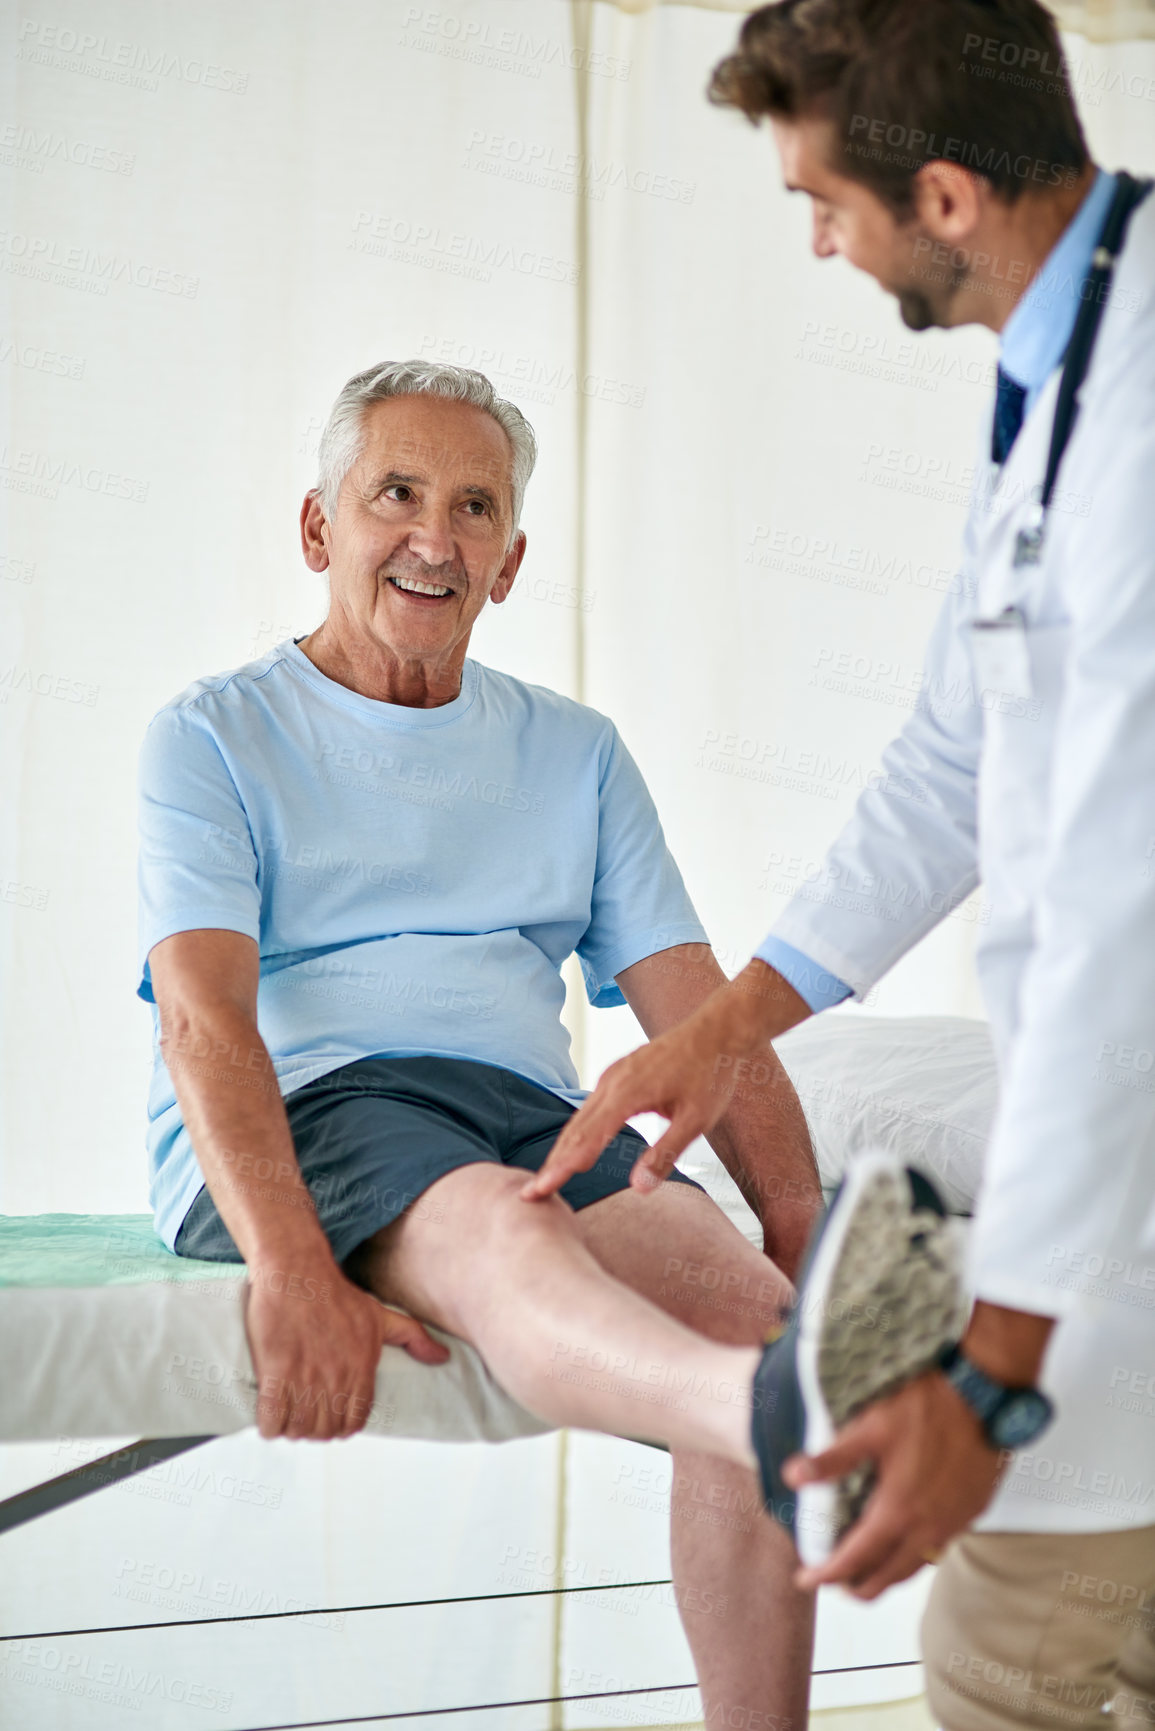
[
  {"x": 512, "y": 1220},
  {"x": 733, "y": 1300}
]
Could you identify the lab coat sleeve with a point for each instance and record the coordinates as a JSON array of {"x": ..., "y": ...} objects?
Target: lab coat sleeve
[
  {"x": 1070, "y": 1171},
  {"x": 908, "y": 854}
]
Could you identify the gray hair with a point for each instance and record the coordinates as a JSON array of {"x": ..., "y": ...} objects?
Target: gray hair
[{"x": 344, "y": 436}]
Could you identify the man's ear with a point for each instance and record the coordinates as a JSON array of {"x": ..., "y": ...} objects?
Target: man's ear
[
  {"x": 314, "y": 540},
  {"x": 949, "y": 201},
  {"x": 509, "y": 569}
]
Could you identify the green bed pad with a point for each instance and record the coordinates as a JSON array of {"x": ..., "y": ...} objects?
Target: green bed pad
[{"x": 95, "y": 1250}]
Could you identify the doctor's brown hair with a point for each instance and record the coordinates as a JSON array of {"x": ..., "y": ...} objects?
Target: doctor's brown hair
[{"x": 906, "y": 82}]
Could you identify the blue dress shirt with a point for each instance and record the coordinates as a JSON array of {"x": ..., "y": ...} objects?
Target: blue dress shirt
[{"x": 1035, "y": 337}]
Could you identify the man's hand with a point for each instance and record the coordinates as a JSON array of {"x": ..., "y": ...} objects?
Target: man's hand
[
  {"x": 674, "y": 1075},
  {"x": 936, "y": 1473},
  {"x": 686, "y": 1074},
  {"x": 316, "y": 1341}
]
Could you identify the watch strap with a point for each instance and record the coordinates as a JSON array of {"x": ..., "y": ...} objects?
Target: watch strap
[{"x": 981, "y": 1392}]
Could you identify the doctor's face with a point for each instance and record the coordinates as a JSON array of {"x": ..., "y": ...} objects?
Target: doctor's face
[
  {"x": 851, "y": 220},
  {"x": 420, "y": 539}
]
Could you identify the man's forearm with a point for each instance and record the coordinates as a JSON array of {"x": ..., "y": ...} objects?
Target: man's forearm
[
  {"x": 764, "y": 1143},
  {"x": 1008, "y": 1344},
  {"x": 228, "y": 1094},
  {"x": 762, "y": 1138},
  {"x": 756, "y": 1006}
]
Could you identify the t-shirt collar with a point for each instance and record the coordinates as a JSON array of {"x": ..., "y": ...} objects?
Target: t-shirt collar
[{"x": 373, "y": 708}]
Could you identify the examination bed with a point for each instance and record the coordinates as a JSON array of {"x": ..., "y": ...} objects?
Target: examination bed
[{"x": 103, "y": 1332}]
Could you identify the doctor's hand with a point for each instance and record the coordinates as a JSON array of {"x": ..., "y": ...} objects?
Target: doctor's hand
[
  {"x": 316, "y": 1341},
  {"x": 935, "y": 1474},
  {"x": 688, "y": 1075},
  {"x": 935, "y": 1470}
]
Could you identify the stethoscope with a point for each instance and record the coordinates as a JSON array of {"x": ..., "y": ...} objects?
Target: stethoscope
[{"x": 1129, "y": 193}]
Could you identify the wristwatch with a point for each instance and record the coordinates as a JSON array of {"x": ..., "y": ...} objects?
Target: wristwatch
[{"x": 1010, "y": 1417}]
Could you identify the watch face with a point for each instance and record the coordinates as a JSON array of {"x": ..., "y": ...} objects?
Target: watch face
[{"x": 1020, "y": 1419}]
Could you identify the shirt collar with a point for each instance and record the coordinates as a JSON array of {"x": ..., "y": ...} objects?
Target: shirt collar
[{"x": 1037, "y": 333}]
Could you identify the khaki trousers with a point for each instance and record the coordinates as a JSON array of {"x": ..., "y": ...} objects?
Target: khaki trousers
[{"x": 1043, "y": 1629}]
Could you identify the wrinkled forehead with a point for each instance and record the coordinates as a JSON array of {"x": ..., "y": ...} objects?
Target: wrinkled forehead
[{"x": 438, "y": 442}]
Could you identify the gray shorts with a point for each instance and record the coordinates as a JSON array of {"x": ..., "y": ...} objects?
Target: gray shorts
[{"x": 372, "y": 1137}]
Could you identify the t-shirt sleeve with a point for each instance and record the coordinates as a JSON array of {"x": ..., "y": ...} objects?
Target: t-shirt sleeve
[
  {"x": 640, "y": 904},
  {"x": 197, "y": 863}
]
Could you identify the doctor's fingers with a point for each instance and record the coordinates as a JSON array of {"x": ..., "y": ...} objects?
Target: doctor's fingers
[
  {"x": 595, "y": 1123},
  {"x": 905, "y": 1560},
  {"x": 885, "y": 1545},
  {"x": 569, "y": 1154},
  {"x": 659, "y": 1160},
  {"x": 860, "y": 1440},
  {"x": 915, "y": 1438},
  {"x": 886, "y": 1523},
  {"x": 935, "y": 1475}
]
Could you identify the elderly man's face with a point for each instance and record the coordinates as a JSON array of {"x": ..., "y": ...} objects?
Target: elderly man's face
[{"x": 420, "y": 539}]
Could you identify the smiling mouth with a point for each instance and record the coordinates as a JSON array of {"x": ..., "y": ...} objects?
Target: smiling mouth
[{"x": 425, "y": 591}]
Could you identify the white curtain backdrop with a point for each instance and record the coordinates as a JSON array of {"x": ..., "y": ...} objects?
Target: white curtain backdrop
[
  {"x": 749, "y": 496},
  {"x": 1101, "y": 20},
  {"x": 747, "y": 507}
]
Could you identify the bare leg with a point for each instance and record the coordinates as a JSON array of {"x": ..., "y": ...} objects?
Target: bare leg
[
  {"x": 753, "y": 1658},
  {"x": 558, "y": 1332},
  {"x": 536, "y": 1287}
]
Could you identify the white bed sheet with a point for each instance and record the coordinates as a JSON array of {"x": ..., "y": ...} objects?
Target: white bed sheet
[{"x": 172, "y": 1360}]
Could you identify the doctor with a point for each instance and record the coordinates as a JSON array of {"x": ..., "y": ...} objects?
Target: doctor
[{"x": 971, "y": 197}]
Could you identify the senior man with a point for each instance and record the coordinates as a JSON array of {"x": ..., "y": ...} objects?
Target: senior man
[
  {"x": 364, "y": 858},
  {"x": 973, "y": 199}
]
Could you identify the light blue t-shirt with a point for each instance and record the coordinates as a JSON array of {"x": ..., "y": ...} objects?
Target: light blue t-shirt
[{"x": 414, "y": 878}]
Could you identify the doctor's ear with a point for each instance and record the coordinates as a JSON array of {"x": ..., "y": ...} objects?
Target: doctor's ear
[{"x": 949, "y": 201}]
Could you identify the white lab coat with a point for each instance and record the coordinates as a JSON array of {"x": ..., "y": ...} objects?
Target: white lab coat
[{"x": 1045, "y": 792}]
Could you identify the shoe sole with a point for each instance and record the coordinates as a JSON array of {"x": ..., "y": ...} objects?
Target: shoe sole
[{"x": 862, "y": 1334}]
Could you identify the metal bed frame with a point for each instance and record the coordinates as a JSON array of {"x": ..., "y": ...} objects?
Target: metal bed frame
[{"x": 95, "y": 1475}]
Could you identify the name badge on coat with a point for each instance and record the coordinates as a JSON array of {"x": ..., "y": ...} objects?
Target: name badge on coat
[{"x": 1001, "y": 657}]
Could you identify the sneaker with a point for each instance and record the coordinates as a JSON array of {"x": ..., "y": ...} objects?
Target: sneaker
[{"x": 880, "y": 1295}]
